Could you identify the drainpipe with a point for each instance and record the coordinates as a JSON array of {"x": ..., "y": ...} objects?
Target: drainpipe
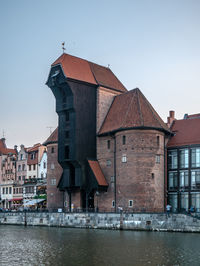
[
  {"x": 115, "y": 192},
  {"x": 165, "y": 184}
]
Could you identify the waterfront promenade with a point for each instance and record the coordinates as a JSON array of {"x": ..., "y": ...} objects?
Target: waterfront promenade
[{"x": 116, "y": 221}]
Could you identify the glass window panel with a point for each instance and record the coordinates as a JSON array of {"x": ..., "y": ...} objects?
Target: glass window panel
[
  {"x": 184, "y": 158},
  {"x": 184, "y": 201},
  {"x": 173, "y": 201},
  {"x": 196, "y": 157},
  {"x": 184, "y": 179},
  {"x": 172, "y": 159}
]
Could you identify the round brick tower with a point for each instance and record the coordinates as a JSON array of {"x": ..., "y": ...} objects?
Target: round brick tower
[{"x": 136, "y": 172}]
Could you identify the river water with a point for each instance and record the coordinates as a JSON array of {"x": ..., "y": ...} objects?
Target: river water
[{"x": 62, "y": 246}]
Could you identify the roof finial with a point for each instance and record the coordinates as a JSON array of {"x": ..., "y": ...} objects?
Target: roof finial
[
  {"x": 50, "y": 129},
  {"x": 108, "y": 65},
  {"x": 63, "y": 47},
  {"x": 3, "y": 133}
]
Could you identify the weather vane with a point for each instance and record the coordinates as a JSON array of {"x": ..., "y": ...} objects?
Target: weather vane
[{"x": 63, "y": 47}]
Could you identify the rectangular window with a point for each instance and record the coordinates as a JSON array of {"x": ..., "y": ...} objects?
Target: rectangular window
[
  {"x": 124, "y": 158},
  {"x": 173, "y": 201},
  {"x": 23, "y": 167},
  {"x": 130, "y": 203},
  {"x": 23, "y": 178},
  {"x": 34, "y": 167},
  {"x": 44, "y": 165},
  {"x": 108, "y": 144},
  {"x": 124, "y": 140},
  {"x": 183, "y": 179},
  {"x": 195, "y": 157},
  {"x": 195, "y": 179},
  {"x": 52, "y": 166},
  {"x": 184, "y": 202},
  {"x": 195, "y": 201},
  {"x": 52, "y": 150},
  {"x": 53, "y": 181},
  {"x": 184, "y": 158},
  {"x": 29, "y": 167},
  {"x": 66, "y": 152},
  {"x": 158, "y": 140},
  {"x": 67, "y": 117},
  {"x": 172, "y": 180},
  {"x": 108, "y": 162},
  {"x": 19, "y": 178},
  {"x": 13, "y": 190},
  {"x": 66, "y": 134},
  {"x": 113, "y": 203},
  {"x": 21, "y": 157},
  {"x": 10, "y": 190},
  {"x": 19, "y": 168},
  {"x": 3, "y": 190},
  {"x": 6, "y": 190},
  {"x": 157, "y": 158},
  {"x": 172, "y": 159}
]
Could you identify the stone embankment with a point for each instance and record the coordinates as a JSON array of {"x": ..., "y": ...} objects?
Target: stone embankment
[{"x": 123, "y": 221}]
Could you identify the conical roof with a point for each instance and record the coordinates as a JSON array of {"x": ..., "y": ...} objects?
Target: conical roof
[{"x": 131, "y": 110}]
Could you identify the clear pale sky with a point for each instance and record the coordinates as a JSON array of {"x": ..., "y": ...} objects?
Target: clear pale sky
[{"x": 150, "y": 44}]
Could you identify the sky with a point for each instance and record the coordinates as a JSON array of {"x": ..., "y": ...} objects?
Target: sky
[{"x": 150, "y": 44}]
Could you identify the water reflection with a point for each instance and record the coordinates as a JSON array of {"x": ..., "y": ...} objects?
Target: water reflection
[{"x": 62, "y": 246}]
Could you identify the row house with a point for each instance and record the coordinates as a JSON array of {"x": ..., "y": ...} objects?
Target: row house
[
  {"x": 8, "y": 158},
  {"x": 22, "y": 175}
]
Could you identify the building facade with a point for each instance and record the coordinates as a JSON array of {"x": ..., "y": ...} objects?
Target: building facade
[
  {"x": 111, "y": 142},
  {"x": 184, "y": 164}
]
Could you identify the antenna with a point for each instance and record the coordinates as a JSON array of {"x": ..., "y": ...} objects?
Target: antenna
[
  {"x": 3, "y": 133},
  {"x": 50, "y": 129},
  {"x": 63, "y": 47}
]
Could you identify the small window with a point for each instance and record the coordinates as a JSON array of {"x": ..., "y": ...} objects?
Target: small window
[
  {"x": 158, "y": 140},
  {"x": 19, "y": 178},
  {"x": 113, "y": 203},
  {"x": 108, "y": 162},
  {"x": 66, "y": 134},
  {"x": 53, "y": 181},
  {"x": 124, "y": 140},
  {"x": 108, "y": 144},
  {"x": 44, "y": 165},
  {"x": 19, "y": 168},
  {"x": 13, "y": 190},
  {"x": 67, "y": 117},
  {"x": 23, "y": 177},
  {"x": 130, "y": 204},
  {"x": 66, "y": 152},
  {"x": 157, "y": 158},
  {"x": 29, "y": 167},
  {"x": 112, "y": 179},
  {"x": 21, "y": 157},
  {"x": 52, "y": 150},
  {"x": 10, "y": 190},
  {"x": 152, "y": 175},
  {"x": 124, "y": 158},
  {"x": 34, "y": 167},
  {"x": 23, "y": 167},
  {"x": 52, "y": 166}
]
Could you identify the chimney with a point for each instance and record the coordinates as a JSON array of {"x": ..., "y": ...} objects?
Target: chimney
[{"x": 170, "y": 118}]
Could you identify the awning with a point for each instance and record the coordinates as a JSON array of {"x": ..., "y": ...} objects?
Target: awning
[
  {"x": 98, "y": 174},
  {"x": 16, "y": 199},
  {"x": 33, "y": 202}
]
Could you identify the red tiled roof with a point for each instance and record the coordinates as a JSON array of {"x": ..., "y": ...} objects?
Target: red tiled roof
[
  {"x": 129, "y": 110},
  {"x": 34, "y": 148},
  {"x": 96, "y": 169},
  {"x": 83, "y": 70},
  {"x": 4, "y": 149},
  {"x": 187, "y": 132},
  {"x": 193, "y": 116},
  {"x": 52, "y": 138}
]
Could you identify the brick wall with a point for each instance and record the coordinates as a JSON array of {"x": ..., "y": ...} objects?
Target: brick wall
[
  {"x": 139, "y": 179},
  {"x": 54, "y": 172}
]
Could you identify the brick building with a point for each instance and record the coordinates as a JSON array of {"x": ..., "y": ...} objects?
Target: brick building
[
  {"x": 8, "y": 158},
  {"x": 54, "y": 171},
  {"x": 111, "y": 142},
  {"x": 184, "y": 163}
]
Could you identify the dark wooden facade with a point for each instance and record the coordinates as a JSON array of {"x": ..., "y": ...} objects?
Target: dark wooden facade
[{"x": 76, "y": 109}]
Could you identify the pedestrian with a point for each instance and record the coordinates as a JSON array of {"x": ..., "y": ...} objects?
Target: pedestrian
[{"x": 168, "y": 209}]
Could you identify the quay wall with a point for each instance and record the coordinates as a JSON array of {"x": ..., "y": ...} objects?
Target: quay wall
[{"x": 120, "y": 221}]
